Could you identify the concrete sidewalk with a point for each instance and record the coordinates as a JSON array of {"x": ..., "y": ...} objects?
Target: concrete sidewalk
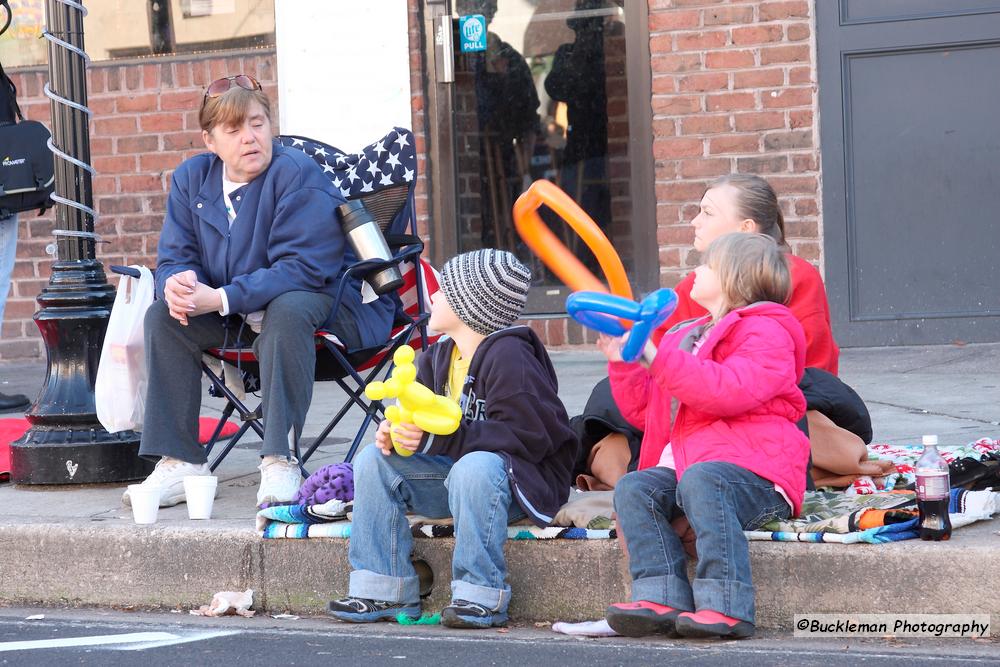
[{"x": 78, "y": 545}]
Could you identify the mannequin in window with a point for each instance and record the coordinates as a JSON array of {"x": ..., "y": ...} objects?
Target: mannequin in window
[{"x": 578, "y": 78}]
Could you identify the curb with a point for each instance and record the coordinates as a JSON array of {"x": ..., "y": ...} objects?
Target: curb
[{"x": 569, "y": 580}]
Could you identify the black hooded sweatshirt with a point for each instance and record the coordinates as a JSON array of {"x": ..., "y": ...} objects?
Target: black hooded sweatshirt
[{"x": 511, "y": 407}]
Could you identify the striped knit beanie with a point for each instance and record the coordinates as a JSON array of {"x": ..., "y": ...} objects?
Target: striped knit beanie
[{"x": 487, "y": 289}]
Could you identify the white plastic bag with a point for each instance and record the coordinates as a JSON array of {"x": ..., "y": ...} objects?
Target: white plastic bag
[{"x": 120, "y": 389}]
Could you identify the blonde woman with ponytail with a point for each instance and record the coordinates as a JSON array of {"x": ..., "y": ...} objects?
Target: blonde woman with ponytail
[{"x": 747, "y": 203}]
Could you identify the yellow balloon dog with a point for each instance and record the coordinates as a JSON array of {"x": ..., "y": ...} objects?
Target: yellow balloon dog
[{"x": 415, "y": 403}]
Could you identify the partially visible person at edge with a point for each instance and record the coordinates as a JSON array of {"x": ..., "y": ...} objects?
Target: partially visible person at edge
[
  {"x": 8, "y": 253},
  {"x": 251, "y": 250},
  {"x": 9, "y": 113}
]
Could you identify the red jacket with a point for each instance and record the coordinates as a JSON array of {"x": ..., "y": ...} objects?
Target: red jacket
[
  {"x": 808, "y": 303},
  {"x": 738, "y": 397}
]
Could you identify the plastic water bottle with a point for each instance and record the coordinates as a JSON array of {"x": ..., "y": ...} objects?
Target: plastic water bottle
[{"x": 933, "y": 492}]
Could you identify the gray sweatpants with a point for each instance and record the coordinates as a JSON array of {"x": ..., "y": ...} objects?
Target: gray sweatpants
[{"x": 285, "y": 349}]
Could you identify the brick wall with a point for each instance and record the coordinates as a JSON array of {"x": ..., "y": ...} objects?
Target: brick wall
[
  {"x": 417, "y": 102},
  {"x": 733, "y": 91},
  {"x": 144, "y": 124}
]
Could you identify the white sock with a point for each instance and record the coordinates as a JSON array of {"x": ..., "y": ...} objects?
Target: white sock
[{"x": 586, "y": 629}]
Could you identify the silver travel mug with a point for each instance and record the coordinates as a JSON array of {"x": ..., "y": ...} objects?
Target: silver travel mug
[{"x": 366, "y": 239}]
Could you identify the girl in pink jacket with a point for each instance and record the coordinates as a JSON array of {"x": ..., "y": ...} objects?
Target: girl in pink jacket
[{"x": 718, "y": 407}]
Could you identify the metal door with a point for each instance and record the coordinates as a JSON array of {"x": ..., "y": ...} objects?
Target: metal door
[{"x": 909, "y": 96}]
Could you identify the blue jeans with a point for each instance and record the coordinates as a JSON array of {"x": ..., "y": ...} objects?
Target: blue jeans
[
  {"x": 720, "y": 500},
  {"x": 8, "y": 252},
  {"x": 474, "y": 490}
]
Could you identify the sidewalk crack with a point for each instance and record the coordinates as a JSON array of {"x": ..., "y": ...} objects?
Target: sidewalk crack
[{"x": 933, "y": 412}]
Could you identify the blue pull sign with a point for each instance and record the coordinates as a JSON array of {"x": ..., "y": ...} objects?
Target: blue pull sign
[{"x": 472, "y": 33}]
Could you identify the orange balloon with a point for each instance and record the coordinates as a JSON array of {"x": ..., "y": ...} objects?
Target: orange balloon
[{"x": 555, "y": 254}]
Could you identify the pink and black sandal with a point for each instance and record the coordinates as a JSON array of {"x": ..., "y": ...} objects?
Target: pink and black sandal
[
  {"x": 706, "y": 623},
  {"x": 642, "y": 618}
]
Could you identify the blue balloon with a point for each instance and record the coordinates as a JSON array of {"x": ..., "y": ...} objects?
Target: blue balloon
[{"x": 602, "y": 312}]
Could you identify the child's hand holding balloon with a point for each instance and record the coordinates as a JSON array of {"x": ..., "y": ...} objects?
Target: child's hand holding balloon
[{"x": 610, "y": 347}]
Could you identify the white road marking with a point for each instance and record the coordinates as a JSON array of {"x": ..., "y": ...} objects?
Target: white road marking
[
  {"x": 132, "y": 641},
  {"x": 185, "y": 639},
  {"x": 86, "y": 641}
]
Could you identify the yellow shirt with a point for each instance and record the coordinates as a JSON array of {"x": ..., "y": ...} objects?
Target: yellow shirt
[{"x": 456, "y": 375}]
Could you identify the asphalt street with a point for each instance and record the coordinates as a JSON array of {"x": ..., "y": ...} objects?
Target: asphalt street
[{"x": 98, "y": 637}]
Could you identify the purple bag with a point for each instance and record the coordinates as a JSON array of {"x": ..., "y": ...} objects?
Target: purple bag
[{"x": 333, "y": 481}]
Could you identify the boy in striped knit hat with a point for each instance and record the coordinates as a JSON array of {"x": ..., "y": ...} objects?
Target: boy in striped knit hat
[{"x": 511, "y": 458}]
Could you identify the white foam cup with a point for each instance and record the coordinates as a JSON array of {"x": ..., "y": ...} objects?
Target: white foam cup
[
  {"x": 200, "y": 493},
  {"x": 145, "y": 502}
]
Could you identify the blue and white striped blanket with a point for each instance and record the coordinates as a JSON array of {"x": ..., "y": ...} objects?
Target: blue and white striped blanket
[{"x": 330, "y": 520}]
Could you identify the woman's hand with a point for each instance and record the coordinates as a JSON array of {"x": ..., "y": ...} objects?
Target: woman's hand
[
  {"x": 186, "y": 297},
  {"x": 178, "y": 292},
  {"x": 610, "y": 346},
  {"x": 206, "y": 300}
]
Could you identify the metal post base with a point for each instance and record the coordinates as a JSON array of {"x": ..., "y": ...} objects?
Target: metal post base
[
  {"x": 66, "y": 444},
  {"x": 77, "y": 457}
]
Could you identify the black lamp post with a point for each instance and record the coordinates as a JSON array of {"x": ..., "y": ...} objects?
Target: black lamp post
[{"x": 66, "y": 444}]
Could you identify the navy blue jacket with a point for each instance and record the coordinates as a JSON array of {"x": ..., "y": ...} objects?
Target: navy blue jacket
[
  {"x": 512, "y": 408},
  {"x": 286, "y": 237}
]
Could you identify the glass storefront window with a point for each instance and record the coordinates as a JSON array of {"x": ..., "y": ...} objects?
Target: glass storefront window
[
  {"x": 546, "y": 100},
  {"x": 117, "y": 29},
  {"x": 22, "y": 44}
]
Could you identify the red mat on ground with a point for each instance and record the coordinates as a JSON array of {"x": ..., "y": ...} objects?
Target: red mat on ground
[{"x": 13, "y": 428}]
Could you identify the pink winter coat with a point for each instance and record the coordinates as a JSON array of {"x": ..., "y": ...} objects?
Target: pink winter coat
[{"x": 738, "y": 397}]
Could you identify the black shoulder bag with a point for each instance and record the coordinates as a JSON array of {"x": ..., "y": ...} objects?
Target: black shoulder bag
[{"x": 27, "y": 175}]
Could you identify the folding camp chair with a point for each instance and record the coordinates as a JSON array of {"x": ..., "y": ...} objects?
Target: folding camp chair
[{"x": 383, "y": 177}]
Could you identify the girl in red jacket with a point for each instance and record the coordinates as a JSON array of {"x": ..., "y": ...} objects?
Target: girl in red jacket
[{"x": 718, "y": 407}]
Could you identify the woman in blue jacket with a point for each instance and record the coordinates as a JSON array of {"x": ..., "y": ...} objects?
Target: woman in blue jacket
[{"x": 250, "y": 249}]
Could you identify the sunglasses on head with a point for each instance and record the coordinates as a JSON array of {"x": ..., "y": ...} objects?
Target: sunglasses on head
[{"x": 221, "y": 86}]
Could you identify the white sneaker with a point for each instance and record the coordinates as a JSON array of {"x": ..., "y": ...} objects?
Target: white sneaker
[
  {"x": 169, "y": 475},
  {"x": 280, "y": 479}
]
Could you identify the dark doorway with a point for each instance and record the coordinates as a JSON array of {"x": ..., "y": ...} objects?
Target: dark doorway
[{"x": 909, "y": 99}]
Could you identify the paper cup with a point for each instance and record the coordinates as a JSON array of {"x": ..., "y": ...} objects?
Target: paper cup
[
  {"x": 145, "y": 501},
  {"x": 200, "y": 493}
]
